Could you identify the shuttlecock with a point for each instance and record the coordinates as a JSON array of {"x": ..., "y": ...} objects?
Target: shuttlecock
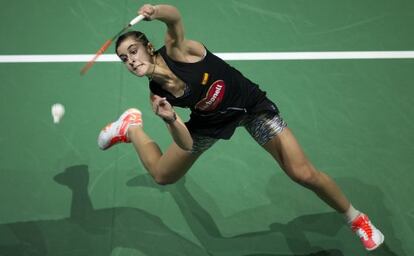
[{"x": 58, "y": 110}]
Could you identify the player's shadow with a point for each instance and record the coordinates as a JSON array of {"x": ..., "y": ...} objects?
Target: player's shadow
[
  {"x": 266, "y": 242},
  {"x": 90, "y": 232}
]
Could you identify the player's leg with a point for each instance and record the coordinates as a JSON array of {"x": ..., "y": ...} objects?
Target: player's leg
[
  {"x": 271, "y": 132},
  {"x": 291, "y": 158},
  {"x": 165, "y": 168}
]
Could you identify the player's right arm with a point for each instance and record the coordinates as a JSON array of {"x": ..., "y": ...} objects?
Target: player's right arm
[{"x": 178, "y": 47}]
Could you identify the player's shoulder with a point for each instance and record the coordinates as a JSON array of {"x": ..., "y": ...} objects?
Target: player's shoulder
[{"x": 189, "y": 51}]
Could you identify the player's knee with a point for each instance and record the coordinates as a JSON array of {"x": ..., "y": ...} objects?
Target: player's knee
[
  {"x": 163, "y": 180},
  {"x": 304, "y": 174}
]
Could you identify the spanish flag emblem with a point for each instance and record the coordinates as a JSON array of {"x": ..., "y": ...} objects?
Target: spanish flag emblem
[{"x": 205, "y": 79}]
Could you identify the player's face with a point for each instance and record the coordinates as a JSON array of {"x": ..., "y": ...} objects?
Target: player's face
[{"x": 135, "y": 56}]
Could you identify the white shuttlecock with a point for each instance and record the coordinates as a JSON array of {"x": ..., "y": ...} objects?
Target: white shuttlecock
[{"x": 58, "y": 110}]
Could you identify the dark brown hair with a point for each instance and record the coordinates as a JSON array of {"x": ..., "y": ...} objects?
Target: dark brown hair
[{"x": 137, "y": 35}]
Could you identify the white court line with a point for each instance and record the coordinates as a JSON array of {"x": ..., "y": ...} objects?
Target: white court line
[{"x": 225, "y": 56}]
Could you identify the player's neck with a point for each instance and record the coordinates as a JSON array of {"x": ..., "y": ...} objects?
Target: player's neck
[{"x": 167, "y": 79}]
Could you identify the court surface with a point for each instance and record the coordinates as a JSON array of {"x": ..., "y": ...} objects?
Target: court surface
[{"x": 62, "y": 196}]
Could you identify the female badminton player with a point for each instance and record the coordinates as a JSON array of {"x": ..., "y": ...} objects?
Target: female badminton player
[{"x": 184, "y": 73}]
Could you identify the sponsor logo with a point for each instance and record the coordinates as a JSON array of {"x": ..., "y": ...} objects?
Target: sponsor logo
[{"x": 214, "y": 97}]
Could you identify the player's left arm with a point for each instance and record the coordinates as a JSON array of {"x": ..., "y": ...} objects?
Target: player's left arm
[{"x": 176, "y": 126}]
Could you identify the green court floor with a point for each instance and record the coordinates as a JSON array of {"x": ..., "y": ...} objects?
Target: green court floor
[{"x": 60, "y": 195}]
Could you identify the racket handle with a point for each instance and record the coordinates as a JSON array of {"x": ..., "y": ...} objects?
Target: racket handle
[{"x": 136, "y": 20}]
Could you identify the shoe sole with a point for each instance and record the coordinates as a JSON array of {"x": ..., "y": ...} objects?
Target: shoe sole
[
  {"x": 122, "y": 117},
  {"x": 129, "y": 112},
  {"x": 382, "y": 238}
]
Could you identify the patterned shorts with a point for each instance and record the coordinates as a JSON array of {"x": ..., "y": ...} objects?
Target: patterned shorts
[{"x": 262, "y": 127}]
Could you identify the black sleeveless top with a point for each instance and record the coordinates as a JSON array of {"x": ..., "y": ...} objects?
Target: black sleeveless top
[{"x": 217, "y": 94}]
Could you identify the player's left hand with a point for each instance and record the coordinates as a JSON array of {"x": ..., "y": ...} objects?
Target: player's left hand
[{"x": 162, "y": 108}]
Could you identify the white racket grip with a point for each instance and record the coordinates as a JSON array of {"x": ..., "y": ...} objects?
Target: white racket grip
[{"x": 136, "y": 20}]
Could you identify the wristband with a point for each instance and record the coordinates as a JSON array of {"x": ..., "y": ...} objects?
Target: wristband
[{"x": 172, "y": 120}]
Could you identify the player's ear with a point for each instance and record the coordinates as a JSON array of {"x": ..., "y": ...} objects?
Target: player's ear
[{"x": 150, "y": 48}]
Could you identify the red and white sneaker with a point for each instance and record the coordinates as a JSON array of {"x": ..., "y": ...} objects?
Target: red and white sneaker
[
  {"x": 370, "y": 236},
  {"x": 116, "y": 132}
]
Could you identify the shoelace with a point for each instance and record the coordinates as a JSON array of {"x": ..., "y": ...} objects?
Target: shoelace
[{"x": 364, "y": 226}]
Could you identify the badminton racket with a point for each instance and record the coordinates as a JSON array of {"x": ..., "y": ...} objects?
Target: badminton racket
[{"x": 105, "y": 46}]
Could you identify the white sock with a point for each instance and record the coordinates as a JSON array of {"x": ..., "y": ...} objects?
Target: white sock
[{"x": 351, "y": 214}]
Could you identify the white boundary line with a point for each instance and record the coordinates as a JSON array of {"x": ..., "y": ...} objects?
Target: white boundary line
[{"x": 226, "y": 56}]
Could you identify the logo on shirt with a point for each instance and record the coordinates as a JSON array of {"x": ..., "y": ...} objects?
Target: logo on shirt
[{"x": 214, "y": 97}]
